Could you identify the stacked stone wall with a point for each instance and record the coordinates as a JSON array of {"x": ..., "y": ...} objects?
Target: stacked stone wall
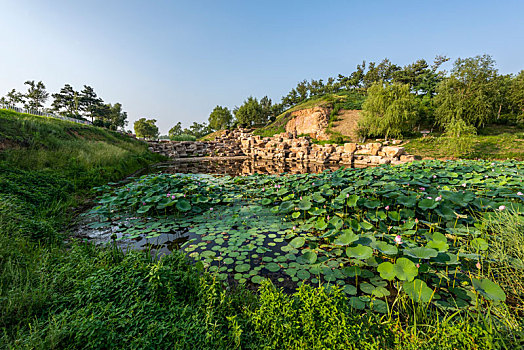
[{"x": 286, "y": 146}]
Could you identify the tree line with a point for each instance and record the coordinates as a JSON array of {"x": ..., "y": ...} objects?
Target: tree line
[
  {"x": 83, "y": 104},
  {"x": 472, "y": 96},
  {"x": 399, "y": 99}
]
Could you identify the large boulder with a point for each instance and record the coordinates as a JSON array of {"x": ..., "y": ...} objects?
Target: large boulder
[
  {"x": 308, "y": 121},
  {"x": 393, "y": 151}
]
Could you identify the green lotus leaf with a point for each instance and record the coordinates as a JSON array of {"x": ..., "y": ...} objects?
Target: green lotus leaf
[
  {"x": 286, "y": 206},
  {"x": 352, "y": 200},
  {"x": 347, "y": 237},
  {"x": 183, "y": 205},
  {"x": 144, "y": 209},
  {"x": 379, "y": 306},
  {"x": 309, "y": 257},
  {"x": 385, "y": 248},
  {"x": 320, "y": 224},
  {"x": 304, "y": 204},
  {"x": 394, "y": 215},
  {"x": 282, "y": 191},
  {"x": 437, "y": 236},
  {"x": 426, "y": 204},
  {"x": 317, "y": 197},
  {"x": 386, "y": 270},
  {"x": 359, "y": 252},
  {"x": 303, "y": 274},
  {"x": 295, "y": 215},
  {"x": 479, "y": 244},
  {"x": 336, "y": 222},
  {"x": 366, "y": 287},
  {"x": 266, "y": 201},
  {"x": 273, "y": 267},
  {"x": 257, "y": 279},
  {"x": 297, "y": 242},
  {"x": 352, "y": 271},
  {"x": 366, "y": 225},
  {"x": 242, "y": 268},
  {"x": 356, "y": 303},
  {"x": 440, "y": 246},
  {"x": 421, "y": 252},
  {"x": 380, "y": 292},
  {"x": 418, "y": 291},
  {"x": 372, "y": 204},
  {"x": 488, "y": 289},
  {"x": 446, "y": 258},
  {"x": 405, "y": 269},
  {"x": 407, "y": 201},
  {"x": 350, "y": 289}
]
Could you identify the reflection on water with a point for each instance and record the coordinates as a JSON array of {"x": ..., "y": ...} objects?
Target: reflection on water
[{"x": 238, "y": 167}]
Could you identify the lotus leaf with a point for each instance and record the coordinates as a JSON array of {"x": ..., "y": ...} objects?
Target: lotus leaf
[
  {"x": 405, "y": 269},
  {"x": 418, "y": 291},
  {"x": 347, "y": 237},
  {"x": 488, "y": 289},
  {"x": 359, "y": 252}
]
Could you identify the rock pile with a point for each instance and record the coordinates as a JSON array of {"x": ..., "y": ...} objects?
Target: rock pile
[{"x": 285, "y": 146}]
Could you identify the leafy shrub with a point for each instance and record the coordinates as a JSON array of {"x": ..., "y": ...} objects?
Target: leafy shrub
[{"x": 183, "y": 137}]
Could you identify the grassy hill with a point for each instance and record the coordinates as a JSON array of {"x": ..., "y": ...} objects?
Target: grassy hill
[{"x": 337, "y": 101}]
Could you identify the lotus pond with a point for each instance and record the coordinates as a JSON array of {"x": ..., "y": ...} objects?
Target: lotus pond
[{"x": 377, "y": 233}]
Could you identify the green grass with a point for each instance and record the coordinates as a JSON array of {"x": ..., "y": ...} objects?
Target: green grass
[{"x": 495, "y": 142}]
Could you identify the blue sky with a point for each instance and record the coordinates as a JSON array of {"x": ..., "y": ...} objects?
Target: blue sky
[{"x": 176, "y": 60}]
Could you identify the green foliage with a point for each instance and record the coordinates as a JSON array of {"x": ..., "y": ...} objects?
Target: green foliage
[
  {"x": 388, "y": 111},
  {"x": 516, "y": 94},
  {"x": 146, "y": 128},
  {"x": 183, "y": 137},
  {"x": 251, "y": 113},
  {"x": 470, "y": 93},
  {"x": 459, "y": 137},
  {"x": 220, "y": 118},
  {"x": 36, "y": 95}
]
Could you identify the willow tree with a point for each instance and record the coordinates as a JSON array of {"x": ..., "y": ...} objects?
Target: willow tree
[{"x": 390, "y": 110}]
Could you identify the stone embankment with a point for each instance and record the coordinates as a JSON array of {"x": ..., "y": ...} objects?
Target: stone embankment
[{"x": 286, "y": 146}]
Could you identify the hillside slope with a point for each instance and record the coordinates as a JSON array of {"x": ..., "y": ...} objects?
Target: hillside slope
[
  {"x": 341, "y": 101},
  {"x": 38, "y": 143},
  {"x": 346, "y": 123}
]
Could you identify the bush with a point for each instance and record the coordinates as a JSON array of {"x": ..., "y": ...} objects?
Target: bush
[{"x": 183, "y": 137}]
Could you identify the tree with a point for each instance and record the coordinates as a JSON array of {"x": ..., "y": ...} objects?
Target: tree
[
  {"x": 176, "y": 130},
  {"x": 117, "y": 117},
  {"x": 390, "y": 110},
  {"x": 90, "y": 103},
  {"x": 302, "y": 90},
  {"x": 109, "y": 116},
  {"x": 250, "y": 113},
  {"x": 220, "y": 118},
  {"x": 267, "y": 109},
  {"x": 470, "y": 93},
  {"x": 13, "y": 98},
  {"x": 146, "y": 128},
  {"x": 198, "y": 130},
  {"x": 36, "y": 95},
  {"x": 66, "y": 101},
  {"x": 516, "y": 93}
]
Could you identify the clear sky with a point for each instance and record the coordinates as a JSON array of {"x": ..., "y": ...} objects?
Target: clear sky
[{"x": 176, "y": 60}]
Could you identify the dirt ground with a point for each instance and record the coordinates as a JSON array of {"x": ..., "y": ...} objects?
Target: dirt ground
[{"x": 346, "y": 123}]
